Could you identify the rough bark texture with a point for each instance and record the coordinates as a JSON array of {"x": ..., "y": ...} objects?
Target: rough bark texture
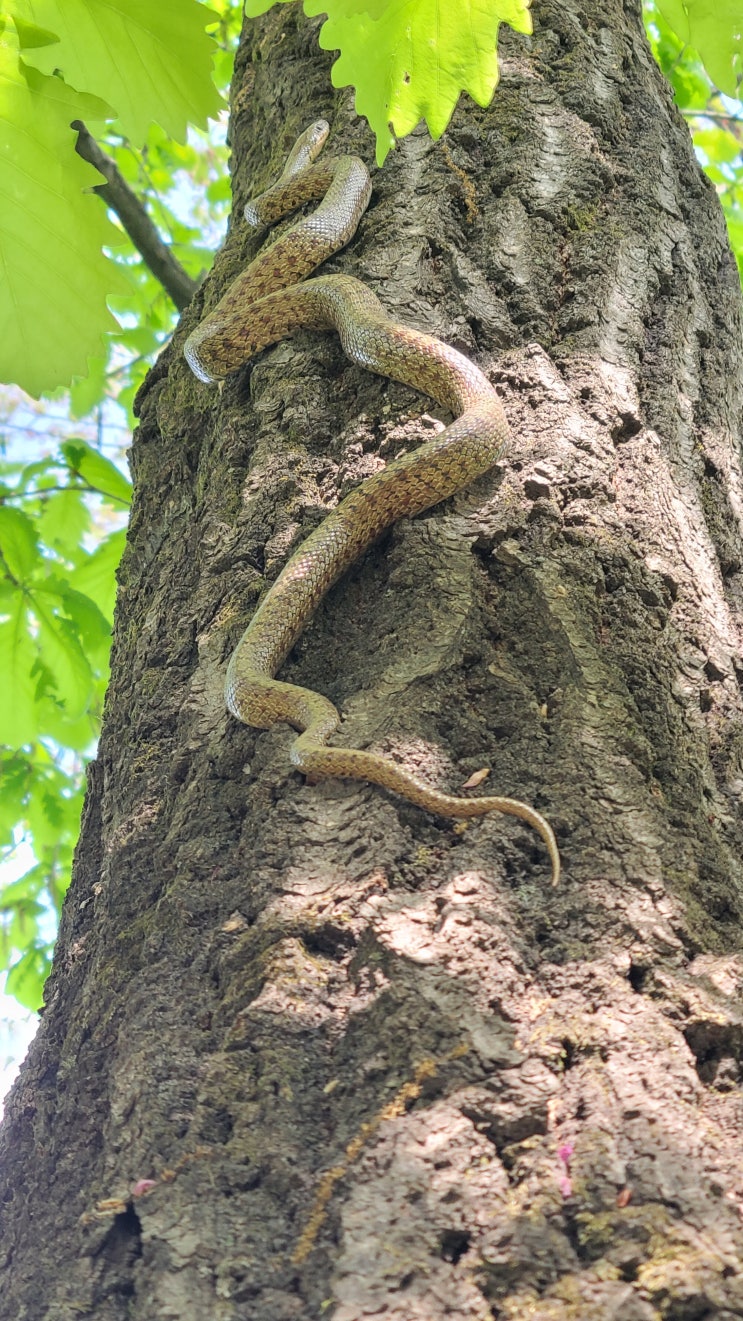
[{"x": 366, "y": 1063}]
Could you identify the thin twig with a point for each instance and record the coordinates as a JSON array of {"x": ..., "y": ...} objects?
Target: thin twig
[
  {"x": 83, "y": 486},
  {"x": 117, "y": 194},
  {"x": 721, "y": 116}
]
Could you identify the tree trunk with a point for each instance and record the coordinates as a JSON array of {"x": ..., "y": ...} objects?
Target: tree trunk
[{"x": 310, "y": 1052}]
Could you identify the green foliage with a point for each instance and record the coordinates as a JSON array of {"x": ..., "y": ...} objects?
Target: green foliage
[
  {"x": 152, "y": 63},
  {"x": 160, "y": 174},
  {"x": 715, "y": 120},
  {"x": 51, "y": 232},
  {"x": 61, "y": 517},
  {"x": 715, "y": 31},
  {"x": 56, "y": 610},
  {"x": 47, "y": 799},
  {"x": 410, "y": 59}
]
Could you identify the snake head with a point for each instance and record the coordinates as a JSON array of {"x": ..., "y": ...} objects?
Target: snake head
[
  {"x": 315, "y": 136},
  {"x": 306, "y": 149}
]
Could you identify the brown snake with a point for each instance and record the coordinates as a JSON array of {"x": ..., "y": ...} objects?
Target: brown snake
[{"x": 266, "y": 303}]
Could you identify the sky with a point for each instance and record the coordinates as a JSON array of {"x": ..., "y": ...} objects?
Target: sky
[{"x": 17, "y": 1029}]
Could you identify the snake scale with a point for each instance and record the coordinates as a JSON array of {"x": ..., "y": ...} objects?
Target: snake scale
[{"x": 268, "y": 301}]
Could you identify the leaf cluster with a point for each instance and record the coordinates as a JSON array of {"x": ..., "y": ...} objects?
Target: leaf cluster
[
  {"x": 126, "y": 66},
  {"x": 62, "y": 516},
  {"x": 61, "y": 537},
  {"x": 701, "y": 53},
  {"x": 410, "y": 60}
]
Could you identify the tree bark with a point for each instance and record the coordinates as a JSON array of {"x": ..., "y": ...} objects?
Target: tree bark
[{"x": 309, "y": 1052}]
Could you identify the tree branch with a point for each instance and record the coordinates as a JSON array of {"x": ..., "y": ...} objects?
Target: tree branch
[
  {"x": 117, "y": 194},
  {"x": 719, "y": 116}
]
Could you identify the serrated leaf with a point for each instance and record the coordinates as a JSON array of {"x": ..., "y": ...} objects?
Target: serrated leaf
[
  {"x": 46, "y": 818},
  {"x": 65, "y": 663},
  {"x": 19, "y": 715},
  {"x": 92, "y": 627},
  {"x": 97, "y": 470},
  {"x": 53, "y": 312},
  {"x": 715, "y": 31},
  {"x": 30, "y": 36},
  {"x": 63, "y": 519},
  {"x": 14, "y": 777},
  {"x": 26, "y": 978},
  {"x": 18, "y": 542},
  {"x": 410, "y": 59},
  {"x": 151, "y": 61}
]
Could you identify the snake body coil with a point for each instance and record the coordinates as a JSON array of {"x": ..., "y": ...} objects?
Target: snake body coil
[{"x": 266, "y": 303}]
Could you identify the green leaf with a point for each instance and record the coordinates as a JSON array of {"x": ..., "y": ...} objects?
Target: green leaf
[
  {"x": 53, "y": 310},
  {"x": 95, "y": 575},
  {"x": 14, "y": 775},
  {"x": 21, "y": 921},
  {"x": 18, "y": 543},
  {"x": 26, "y": 978},
  {"x": 410, "y": 59},
  {"x": 66, "y": 666},
  {"x": 63, "y": 519},
  {"x": 223, "y": 65},
  {"x": 254, "y": 8},
  {"x": 151, "y": 59},
  {"x": 30, "y": 36},
  {"x": 715, "y": 31},
  {"x": 45, "y": 468},
  {"x": 220, "y": 190},
  {"x": 40, "y": 798},
  {"x": 717, "y": 144},
  {"x": 92, "y": 628},
  {"x": 47, "y": 818},
  {"x": 690, "y": 85},
  {"x": 735, "y": 226},
  {"x": 87, "y": 392},
  {"x": 97, "y": 470},
  {"x": 76, "y": 736},
  {"x": 21, "y": 891},
  {"x": 19, "y": 718}
]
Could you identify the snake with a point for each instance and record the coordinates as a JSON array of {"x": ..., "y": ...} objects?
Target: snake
[{"x": 268, "y": 301}]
